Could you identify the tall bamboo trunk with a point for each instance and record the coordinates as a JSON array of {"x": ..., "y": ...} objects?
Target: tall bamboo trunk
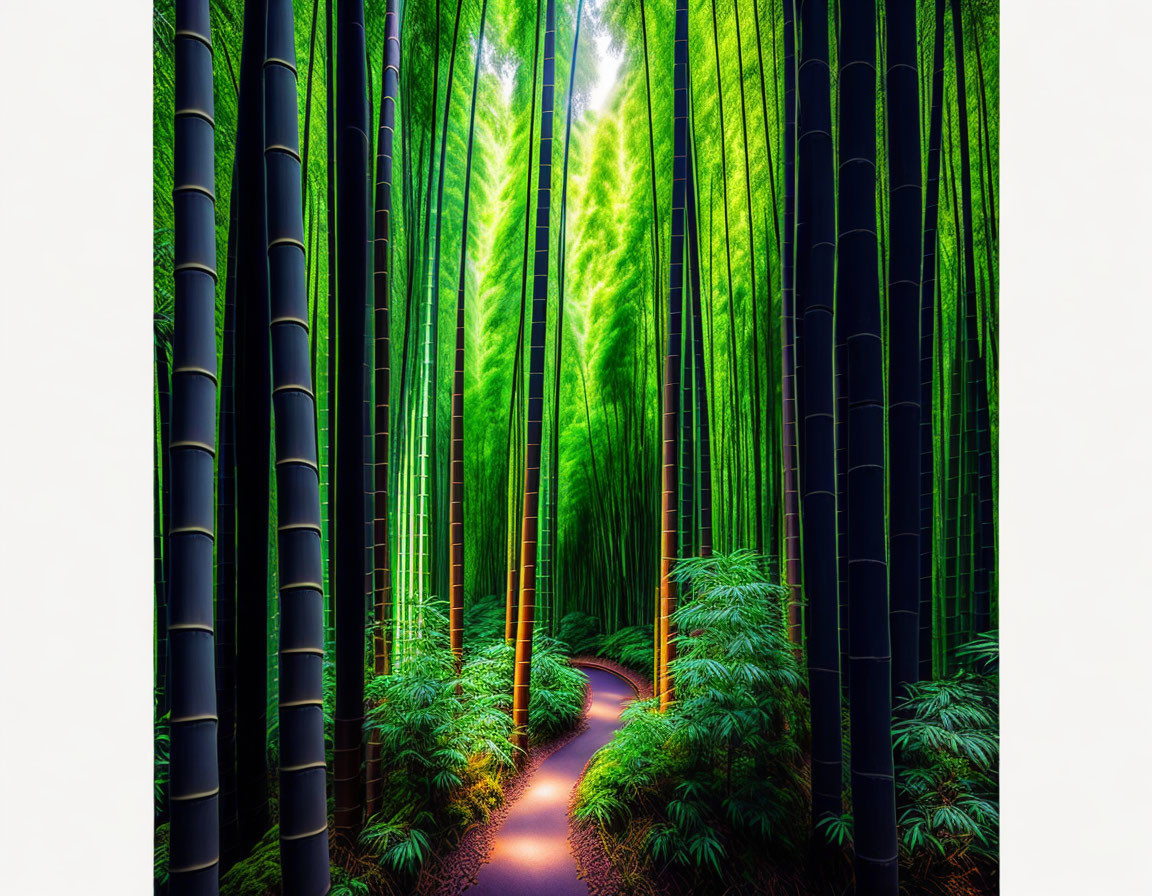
[
  {"x": 858, "y": 295},
  {"x": 253, "y": 446},
  {"x": 430, "y": 512},
  {"x": 333, "y": 322},
  {"x": 903, "y": 111},
  {"x": 530, "y": 519},
  {"x": 733, "y": 443},
  {"x": 702, "y": 415},
  {"x": 163, "y": 520},
  {"x": 815, "y": 260},
  {"x": 669, "y": 477},
  {"x": 515, "y": 409},
  {"x": 194, "y": 786},
  {"x": 975, "y": 420},
  {"x": 840, "y": 366},
  {"x": 757, "y": 417},
  {"x": 456, "y": 508},
  {"x": 226, "y": 559},
  {"x": 790, "y": 447},
  {"x": 686, "y": 471},
  {"x": 772, "y": 419},
  {"x": 928, "y": 267},
  {"x": 554, "y": 460},
  {"x": 303, "y": 798},
  {"x": 352, "y": 297},
  {"x": 382, "y": 293}
]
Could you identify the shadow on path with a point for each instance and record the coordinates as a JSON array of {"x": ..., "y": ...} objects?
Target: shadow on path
[{"x": 531, "y": 855}]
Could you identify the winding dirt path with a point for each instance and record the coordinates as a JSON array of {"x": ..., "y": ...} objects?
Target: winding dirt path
[{"x": 531, "y": 854}]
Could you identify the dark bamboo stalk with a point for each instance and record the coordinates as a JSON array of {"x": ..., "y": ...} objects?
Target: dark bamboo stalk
[
  {"x": 904, "y": 260},
  {"x": 515, "y": 403},
  {"x": 303, "y": 799},
  {"x": 955, "y": 570},
  {"x": 427, "y": 547},
  {"x": 163, "y": 523},
  {"x": 815, "y": 260},
  {"x": 253, "y": 444},
  {"x": 928, "y": 267},
  {"x": 164, "y": 510},
  {"x": 975, "y": 427},
  {"x": 733, "y": 440},
  {"x": 456, "y": 510},
  {"x": 788, "y": 360},
  {"x": 382, "y": 293},
  {"x": 757, "y": 421},
  {"x": 352, "y": 297},
  {"x": 226, "y": 558},
  {"x": 554, "y": 464},
  {"x": 527, "y": 607},
  {"x": 858, "y": 297},
  {"x": 333, "y": 319},
  {"x": 194, "y": 786},
  {"x": 702, "y": 414}
]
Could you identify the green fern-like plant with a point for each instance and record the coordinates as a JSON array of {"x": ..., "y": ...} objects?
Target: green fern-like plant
[
  {"x": 716, "y": 778},
  {"x": 946, "y": 741},
  {"x": 258, "y": 873},
  {"x": 631, "y": 647},
  {"x": 556, "y": 697},
  {"x": 579, "y": 633}
]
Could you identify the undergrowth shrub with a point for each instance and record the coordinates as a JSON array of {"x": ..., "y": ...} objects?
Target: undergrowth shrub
[
  {"x": 446, "y": 740},
  {"x": 717, "y": 778},
  {"x": 556, "y": 695},
  {"x": 579, "y": 633},
  {"x": 258, "y": 873},
  {"x": 946, "y": 741},
  {"x": 484, "y": 619},
  {"x": 631, "y": 647}
]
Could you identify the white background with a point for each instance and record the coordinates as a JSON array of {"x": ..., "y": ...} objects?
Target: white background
[{"x": 75, "y": 447}]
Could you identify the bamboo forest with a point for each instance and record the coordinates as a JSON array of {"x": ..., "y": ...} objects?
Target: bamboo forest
[{"x": 576, "y": 447}]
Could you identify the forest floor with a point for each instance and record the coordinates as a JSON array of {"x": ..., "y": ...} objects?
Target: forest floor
[{"x": 526, "y": 849}]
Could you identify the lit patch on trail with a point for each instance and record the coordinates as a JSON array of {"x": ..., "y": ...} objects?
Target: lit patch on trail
[
  {"x": 548, "y": 789},
  {"x": 604, "y": 711},
  {"x": 533, "y": 850}
]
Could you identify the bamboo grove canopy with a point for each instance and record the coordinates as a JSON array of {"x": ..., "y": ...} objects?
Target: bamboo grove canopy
[{"x": 459, "y": 301}]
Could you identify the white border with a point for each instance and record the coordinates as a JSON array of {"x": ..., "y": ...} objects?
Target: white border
[
  {"x": 1075, "y": 447},
  {"x": 75, "y": 545}
]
